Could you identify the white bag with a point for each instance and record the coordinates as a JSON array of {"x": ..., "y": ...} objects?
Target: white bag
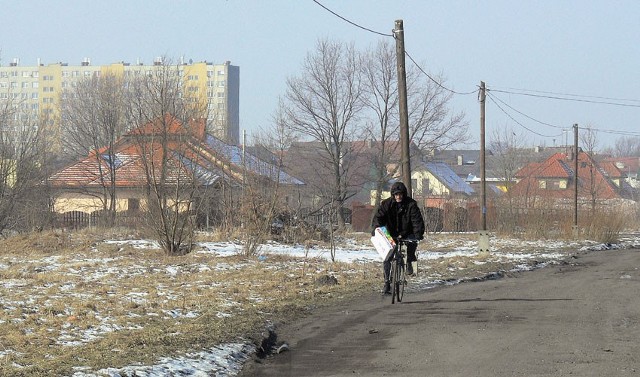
[{"x": 383, "y": 243}]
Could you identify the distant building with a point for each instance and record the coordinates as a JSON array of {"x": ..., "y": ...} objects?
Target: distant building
[{"x": 38, "y": 88}]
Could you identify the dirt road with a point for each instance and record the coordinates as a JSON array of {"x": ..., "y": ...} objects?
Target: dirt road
[{"x": 577, "y": 319}]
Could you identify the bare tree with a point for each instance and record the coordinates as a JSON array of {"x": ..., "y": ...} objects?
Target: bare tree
[
  {"x": 22, "y": 146},
  {"x": 166, "y": 122},
  {"x": 508, "y": 158},
  {"x": 264, "y": 196},
  {"x": 381, "y": 80},
  {"x": 589, "y": 141},
  {"x": 93, "y": 116},
  {"x": 323, "y": 104},
  {"x": 431, "y": 122},
  {"x": 627, "y": 147}
]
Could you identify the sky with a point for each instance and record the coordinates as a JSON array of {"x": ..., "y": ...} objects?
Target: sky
[{"x": 576, "y": 61}]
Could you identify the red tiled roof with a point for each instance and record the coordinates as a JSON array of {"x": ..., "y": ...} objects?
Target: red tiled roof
[{"x": 593, "y": 179}]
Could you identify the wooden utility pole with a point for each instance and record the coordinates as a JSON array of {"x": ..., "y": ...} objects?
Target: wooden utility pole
[
  {"x": 483, "y": 175},
  {"x": 483, "y": 235},
  {"x": 575, "y": 183},
  {"x": 398, "y": 32}
]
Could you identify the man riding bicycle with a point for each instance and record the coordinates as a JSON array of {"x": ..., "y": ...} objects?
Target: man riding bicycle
[{"x": 402, "y": 217}]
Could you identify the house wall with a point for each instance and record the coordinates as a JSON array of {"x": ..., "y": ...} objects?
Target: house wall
[
  {"x": 435, "y": 186},
  {"x": 88, "y": 203}
]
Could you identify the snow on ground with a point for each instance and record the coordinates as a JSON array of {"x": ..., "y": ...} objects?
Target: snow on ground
[{"x": 227, "y": 359}]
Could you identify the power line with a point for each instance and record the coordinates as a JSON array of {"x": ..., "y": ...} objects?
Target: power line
[
  {"x": 493, "y": 97},
  {"x": 435, "y": 81},
  {"x": 567, "y": 99},
  {"x": 571, "y": 95},
  {"x": 525, "y": 115},
  {"x": 518, "y": 123},
  {"x": 351, "y": 22}
]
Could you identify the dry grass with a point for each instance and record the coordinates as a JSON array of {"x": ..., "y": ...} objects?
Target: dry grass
[{"x": 70, "y": 300}]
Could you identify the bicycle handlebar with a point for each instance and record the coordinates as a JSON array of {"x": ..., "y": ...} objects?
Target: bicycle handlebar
[{"x": 407, "y": 240}]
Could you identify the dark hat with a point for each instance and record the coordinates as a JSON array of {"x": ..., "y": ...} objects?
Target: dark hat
[{"x": 399, "y": 188}]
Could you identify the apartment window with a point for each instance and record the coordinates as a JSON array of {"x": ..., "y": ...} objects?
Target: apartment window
[
  {"x": 3, "y": 84},
  {"x": 3, "y": 74},
  {"x": 14, "y": 84},
  {"x": 47, "y": 100},
  {"x": 25, "y": 96},
  {"x": 87, "y": 73},
  {"x": 35, "y": 74},
  {"x": 221, "y": 72},
  {"x": 220, "y": 84},
  {"x": 14, "y": 73},
  {"x": 542, "y": 184},
  {"x": 193, "y": 77},
  {"x": 4, "y": 95},
  {"x": 35, "y": 85},
  {"x": 66, "y": 74},
  {"x": 192, "y": 89},
  {"x": 65, "y": 84},
  {"x": 34, "y": 95},
  {"x": 47, "y": 78},
  {"x": 221, "y": 106},
  {"x": 34, "y": 106},
  {"x": 209, "y": 73},
  {"x": 210, "y": 93},
  {"x": 25, "y": 74},
  {"x": 75, "y": 74},
  {"x": 25, "y": 85},
  {"x": 220, "y": 94}
]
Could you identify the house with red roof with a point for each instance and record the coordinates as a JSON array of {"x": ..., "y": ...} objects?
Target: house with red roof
[
  {"x": 555, "y": 178},
  {"x": 192, "y": 157}
]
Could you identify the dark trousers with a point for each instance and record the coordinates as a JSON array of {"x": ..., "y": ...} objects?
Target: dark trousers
[{"x": 411, "y": 257}]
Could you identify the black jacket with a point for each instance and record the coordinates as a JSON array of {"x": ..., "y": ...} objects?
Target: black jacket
[{"x": 404, "y": 218}]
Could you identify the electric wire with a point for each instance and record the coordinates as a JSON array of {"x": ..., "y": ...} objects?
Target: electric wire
[
  {"x": 523, "y": 114},
  {"x": 351, "y": 22},
  {"x": 516, "y": 121},
  {"x": 567, "y": 99},
  {"x": 434, "y": 80},
  {"x": 494, "y": 98},
  {"x": 517, "y": 91},
  {"x": 570, "y": 94}
]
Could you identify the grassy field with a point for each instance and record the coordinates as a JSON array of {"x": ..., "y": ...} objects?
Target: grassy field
[{"x": 73, "y": 300}]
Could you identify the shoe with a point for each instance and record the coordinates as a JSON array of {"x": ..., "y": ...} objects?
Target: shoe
[
  {"x": 387, "y": 288},
  {"x": 410, "y": 268}
]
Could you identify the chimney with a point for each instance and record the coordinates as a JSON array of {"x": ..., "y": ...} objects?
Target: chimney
[
  {"x": 460, "y": 160},
  {"x": 14, "y": 62},
  {"x": 86, "y": 62}
]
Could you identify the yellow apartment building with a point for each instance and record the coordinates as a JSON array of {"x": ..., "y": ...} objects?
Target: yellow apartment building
[{"x": 37, "y": 89}]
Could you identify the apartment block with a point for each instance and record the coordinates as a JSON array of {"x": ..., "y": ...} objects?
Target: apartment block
[{"x": 37, "y": 89}]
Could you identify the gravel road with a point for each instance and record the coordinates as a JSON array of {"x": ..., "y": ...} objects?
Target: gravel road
[{"x": 579, "y": 318}]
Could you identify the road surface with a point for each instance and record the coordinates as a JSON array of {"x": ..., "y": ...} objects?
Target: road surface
[{"x": 580, "y": 318}]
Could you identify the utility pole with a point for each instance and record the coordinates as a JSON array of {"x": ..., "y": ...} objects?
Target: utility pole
[
  {"x": 575, "y": 183},
  {"x": 398, "y": 32},
  {"x": 483, "y": 175},
  {"x": 483, "y": 239}
]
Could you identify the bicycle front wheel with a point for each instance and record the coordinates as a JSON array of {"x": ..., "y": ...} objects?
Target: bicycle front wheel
[
  {"x": 400, "y": 280},
  {"x": 394, "y": 280}
]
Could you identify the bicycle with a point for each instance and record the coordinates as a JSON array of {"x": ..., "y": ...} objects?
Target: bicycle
[{"x": 398, "y": 268}]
